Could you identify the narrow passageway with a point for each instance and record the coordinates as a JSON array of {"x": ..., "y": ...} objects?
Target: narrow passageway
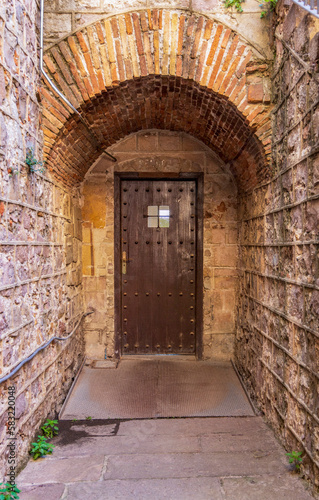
[
  {"x": 109, "y": 447},
  {"x": 177, "y": 459}
]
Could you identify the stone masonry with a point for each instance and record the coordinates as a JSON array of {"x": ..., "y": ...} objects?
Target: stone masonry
[
  {"x": 40, "y": 252},
  {"x": 149, "y": 75},
  {"x": 63, "y": 17},
  {"x": 278, "y": 317},
  {"x": 124, "y": 72}
]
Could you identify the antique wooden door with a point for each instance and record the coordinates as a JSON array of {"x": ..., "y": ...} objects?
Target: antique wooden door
[{"x": 158, "y": 252}]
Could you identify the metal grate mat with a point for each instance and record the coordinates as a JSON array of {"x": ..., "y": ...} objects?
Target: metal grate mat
[{"x": 159, "y": 387}]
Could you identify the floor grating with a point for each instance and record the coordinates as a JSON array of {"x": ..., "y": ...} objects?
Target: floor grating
[{"x": 158, "y": 387}]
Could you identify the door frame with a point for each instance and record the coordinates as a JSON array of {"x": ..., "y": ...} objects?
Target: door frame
[{"x": 198, "y": 177}]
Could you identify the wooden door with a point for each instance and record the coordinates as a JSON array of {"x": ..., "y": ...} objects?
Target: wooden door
[{"x": 158, "y": 251}]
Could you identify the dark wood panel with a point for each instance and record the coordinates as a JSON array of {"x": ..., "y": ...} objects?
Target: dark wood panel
[{"x": 158, "y": 291}]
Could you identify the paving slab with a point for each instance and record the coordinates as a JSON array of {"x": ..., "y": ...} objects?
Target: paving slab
[
  {"x": 118, "y": 445},
  {"x": 51, "y": 470},
  {"x": 195, "y": 459},
  {"x": 239, "y": 441},
  {"x": 42, "y": 492},
  {"x": 149, "y": 489},
  {"x": 192, "y": 465},
  {"x": 192, "y": 426},
  {"x": 281, "y": 487}
]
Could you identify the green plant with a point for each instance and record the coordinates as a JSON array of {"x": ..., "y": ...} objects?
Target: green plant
[
  {"x": 41, "y": 448},
  {"x": 234, "y": 3},
  {"x": 266, "y": 8},
  {"x": 74, "y": 419},
  {"x": 32, "y": 162},
  {"x": 50, "y": 428},
  {"x": 271, "y": 7},
  {"x": 8, "y": 492},
  {"x": 295, "y": 458},
  {"x": 88, "y": 418}
]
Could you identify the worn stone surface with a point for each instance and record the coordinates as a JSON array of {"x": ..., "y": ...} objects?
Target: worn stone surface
[
  {"x": 154, "y": 471},
  {"x": 51, "y": 491},
  {"x": 159, "y": 151}
]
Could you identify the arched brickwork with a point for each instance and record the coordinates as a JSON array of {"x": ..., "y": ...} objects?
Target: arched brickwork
[{"x": 157, "y": 69}]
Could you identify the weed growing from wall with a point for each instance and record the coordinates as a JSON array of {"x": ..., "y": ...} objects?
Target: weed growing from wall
[{"x": 34, "y": 165}]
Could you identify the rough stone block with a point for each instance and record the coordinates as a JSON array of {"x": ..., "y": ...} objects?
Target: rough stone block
[
  {"x": 147, "y": 142},
  {"x": 169, "y": 142},
  {"x": 225, "y": 256}
]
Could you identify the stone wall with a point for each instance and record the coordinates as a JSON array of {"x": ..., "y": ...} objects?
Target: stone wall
[
  {"x": 40, "y": 253},
  {"x": 278, "y": 318},
  {"x": 161, "y": 151},
  {"x": 63, "y": 17}
]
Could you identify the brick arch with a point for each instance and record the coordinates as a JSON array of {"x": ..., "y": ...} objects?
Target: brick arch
[{"x": 165, "y": 69}]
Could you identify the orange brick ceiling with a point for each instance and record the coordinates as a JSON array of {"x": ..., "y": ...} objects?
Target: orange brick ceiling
[{"x": 162, "y": 69}]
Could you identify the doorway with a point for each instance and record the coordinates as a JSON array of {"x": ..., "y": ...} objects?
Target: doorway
[{"x": 158, "y": 256}]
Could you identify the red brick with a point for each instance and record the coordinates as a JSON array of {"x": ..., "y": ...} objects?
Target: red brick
[
  {"x": 198, "y": 34},
  {"x": 138, "y": 35},
  {"x": 90, "y": 68},
  {"x": 216, "y": 68},
  {"x": 150, "y": 19},
  {"x": 143, "y": 65},
  {"x": 180, "y": 35},
  {"x": 230, "y": 54},
  {"x": 190, "y": 26},
  {"x": 256, "y": 111},
  {"x": 242, "y": 68},
  {"x": 208, "y": 29},
  {"x": 156, "y": 53},
  {"x": 231, "y": 87},
  {"x": 255, "y": 93},
  {"x": 225, "y": 39},
  {"x": 82, "y": 42},
  {"x": 214, "y": 45},
  {"x": 115, "y": 28},
  {"x": 128, "y": 69},
  {"x": 54, "y": 102},
  {"x": 63, "y": 67},
  {"x": 232, "y": 68},
  {"x": 144, "y": 22},
  {"x": 201, "y": 61},
  {"x": 179, "y": 66},
  {"x": 116, "y": 114},
  {"x": 88, "y": 86},
  {"x": 148, "y": 52},
  {"x": 160, "y": 20},
  {"x": 155, "y": 19},
  {"x": 99, "y": 32},
  {"x": 128, "y": 22},
  {"x": 120, "y": 62},
  {"x": 240, "y": 85},
  {"x": 70, "y": 60}
]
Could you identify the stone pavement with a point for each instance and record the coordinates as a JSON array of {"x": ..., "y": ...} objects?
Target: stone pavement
[{"x": 235, "y": 458}]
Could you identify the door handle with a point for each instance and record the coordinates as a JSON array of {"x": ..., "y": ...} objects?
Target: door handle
[{"x": 124, "y": 263}]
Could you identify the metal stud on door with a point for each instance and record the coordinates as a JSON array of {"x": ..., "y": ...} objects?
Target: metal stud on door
[{"x": 158, "y": 249}]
